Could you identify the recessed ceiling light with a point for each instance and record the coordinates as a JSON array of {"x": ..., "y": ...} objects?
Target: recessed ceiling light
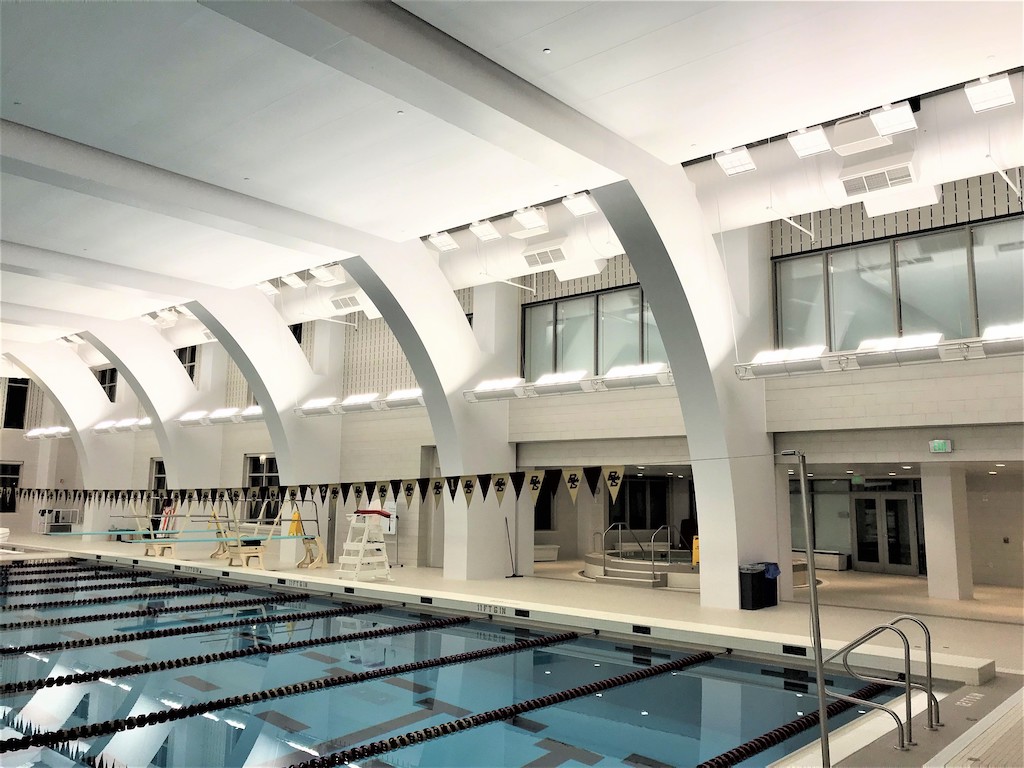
[
  {"x": 1000, "y": 465},
  {"x": 992, "y": 472},
  {"x": 810, "y": 474},
  {"x": 809, "y": 141},
  {"x": 640, "y": 467},
  {"x": 792, "y": 471},
  {"x": 990, "y": 93},
  {"x": 735, "y": 161},
  {"x": 531, "y": 218},
  {"x": 669, "y": 474},
  {"x": 849, "y": 471},
  {"x": 400, "y": 112},
  {"x": 641, "y": 474},
  {"x": 892, "y": 474},
  {"x": 293, "y": 280},
  {"x": 547, "y": 50},
  {"x": 907, "y": 466},
  {"x": 894, "y": 118}
]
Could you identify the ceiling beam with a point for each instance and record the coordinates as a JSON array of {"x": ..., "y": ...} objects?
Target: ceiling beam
[{"x": 66, "y": 164}]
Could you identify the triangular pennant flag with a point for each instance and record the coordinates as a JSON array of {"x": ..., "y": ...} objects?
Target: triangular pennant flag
[
  {"x": 396, "y": 489},
  {"x": 423, "y": 483},
  {"x": 293, "y": 493},
  {"x": 518, "y": 480},
  {"x": 357, "y": 491},
  {"x": 437, "y": 488},
  {"x": 484, "y": 481},
  {"x": 345, "y": 489},
  {"x": 613, "y": 479},
  {"x": 409, "y": 490},
  {"x": 593, "y": 477},
  {"x": 304, "y": 492},
  {"x": 453, "y": 486},
  {"x": 371, "y": 490},
  {"x": 535, "y": 480},
  {"x": 334, "y": 491},
  {"x": 382, "y": 491},
  {"x": 323, "y": 489},
  {"x": 468, "y": 487},
  {"x": 500, "y": 486},
  {"x": 573, "y": 477}
]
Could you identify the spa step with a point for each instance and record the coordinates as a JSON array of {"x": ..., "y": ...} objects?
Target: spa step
[{"x": 633, "y": 579}]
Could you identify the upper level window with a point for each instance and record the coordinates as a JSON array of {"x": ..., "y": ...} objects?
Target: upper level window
[
  {"x": 10, "y": 476},
  {"x": 956, "y": 281},
  {"x": 296, "y": 332},
  {"x": 15, "y": 404},
  {"x": 261, "y": 472},
  {"x": 108, "y": 380},
  {"x": 592, "y": 333},
  {"x": 188, "y": 357}
]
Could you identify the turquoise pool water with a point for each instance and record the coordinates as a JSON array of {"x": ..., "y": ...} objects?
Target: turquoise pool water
[{"x": 673, "y": 719}]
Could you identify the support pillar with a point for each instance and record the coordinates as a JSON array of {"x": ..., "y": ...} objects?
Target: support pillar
[{"x": 947, "y": 535}]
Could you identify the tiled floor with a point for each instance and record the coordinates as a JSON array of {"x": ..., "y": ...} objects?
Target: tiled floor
[{"x": 990, "y": 626}]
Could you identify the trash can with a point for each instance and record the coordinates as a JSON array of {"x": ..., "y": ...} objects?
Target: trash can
[{"x": 757, "y": 590}]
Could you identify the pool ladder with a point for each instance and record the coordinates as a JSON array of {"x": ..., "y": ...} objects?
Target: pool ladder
[{"x": 904, "y": 730}]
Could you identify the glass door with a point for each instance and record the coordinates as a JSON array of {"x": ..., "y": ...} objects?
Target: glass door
[{"x": 884, "y": 532}]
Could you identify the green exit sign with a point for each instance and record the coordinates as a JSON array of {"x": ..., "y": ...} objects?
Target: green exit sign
[{"x": 940, "y": 446}]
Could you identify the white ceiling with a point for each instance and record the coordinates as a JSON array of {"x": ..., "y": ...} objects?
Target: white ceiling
[{"x": 185, "y": 88}]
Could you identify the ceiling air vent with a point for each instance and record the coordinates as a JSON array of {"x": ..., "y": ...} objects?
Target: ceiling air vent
[
  {"x": 884, "y": 172},
  {"x": 544, "y": 255},
  {"x": 345, "y": 302}
]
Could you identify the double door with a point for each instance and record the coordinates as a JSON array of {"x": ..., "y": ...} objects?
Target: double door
[{"x": 884, "y": 532}]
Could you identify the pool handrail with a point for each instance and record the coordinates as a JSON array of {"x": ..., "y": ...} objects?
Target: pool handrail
[
  {"x": 669, "y": 542},
  {"x": 904, "y": 731},
  {"x": 604, "y": 544}
]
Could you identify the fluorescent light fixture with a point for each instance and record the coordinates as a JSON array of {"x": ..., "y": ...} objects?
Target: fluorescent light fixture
[
  {"x": 224, "y": 416},
  {"x": 150, "y": 320},
  {"x": 326, "y": 276},
  {"x": 293, "y": 280},
  {"x": 191, "y": 419},
  {"x": 166, "y": 318},
  {"x": 484, "y": 231},
  {"x": 808, "y": 142},
  {"x": 361, "y": 402},
  {"x": 735, "y": 161},
  {"x": 497, "y": 389},
  {"x": 563, "y": 383},
  {"x": 644, "y": 375},
  {"x": 775, "y": 362},
  {"x": 404, "y": 398},
  {"x": 896, "y": 350},
  {"x": 319, "y": 406},
  {"x": 47, "y": 433},
  {"x": 74, "y": 338},
  {"x": 35, "y": 434},
  {"x": 990, "y": 93},
  {"x": 144, "y": 422},
  {"x": 252, "y": 413},
  {"x": 268, "y": 288},
  {"x": 443, "y": 242},
  {"x": 185, "y": 311},
  {"x": 531, "y": 218},
  {"x": 1003, "y": 340},
  {"x": 104, "y": 426},
  {"x": 125, "y": 425},
  {"x": 893, "y": 118},
  {"x": 579, "y": 204}
]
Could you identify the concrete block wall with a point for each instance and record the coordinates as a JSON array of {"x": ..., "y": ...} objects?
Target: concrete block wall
[{"x": 984, "y": 391}]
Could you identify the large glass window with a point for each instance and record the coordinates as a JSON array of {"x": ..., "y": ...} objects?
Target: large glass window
[
  {"x": 187, "y": 356},
  {"x": 934, "y": 288},
  {"x": 261, "y": 472},
  {"x": 862, "y": 295},
  {"x": 538, "y": 341},
  {"x": 999, "y": 273},
  {"x": 10, "y": 476},
  {"x": 108, "y": 380},
  {"x": 642, "y": 504},
  {"x": 575, "y": 329},
  {"x": 618, "y": 333},
  {"x": 592, "y": 333},
  {"x": 14, "y": 405},
  {"x": 801, "y": 297}
]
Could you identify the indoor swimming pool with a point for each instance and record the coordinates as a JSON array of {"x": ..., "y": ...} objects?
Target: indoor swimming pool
[{"x": 127, "y": 667}]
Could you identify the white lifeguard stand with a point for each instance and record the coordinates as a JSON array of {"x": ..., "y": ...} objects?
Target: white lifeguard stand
[{"x": 364, "y": 554}]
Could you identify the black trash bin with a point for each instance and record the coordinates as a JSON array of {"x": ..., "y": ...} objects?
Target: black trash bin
[{"x": 757, "y": 590}]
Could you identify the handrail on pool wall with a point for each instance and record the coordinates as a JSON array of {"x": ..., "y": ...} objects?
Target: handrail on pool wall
[{"x": 604, "y": 547}]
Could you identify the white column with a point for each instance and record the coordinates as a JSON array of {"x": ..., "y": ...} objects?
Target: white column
[
  {"x": 475, "y": 542},
  {"x": 785, "y": 532},
  {"x": 947, "y": 539}
]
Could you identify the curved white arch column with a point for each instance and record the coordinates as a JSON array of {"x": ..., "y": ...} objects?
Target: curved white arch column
[
  {"x": 146, "y": 361},
  {"x": 257, "y": 339},
  {"x": 660, "y": 225}
]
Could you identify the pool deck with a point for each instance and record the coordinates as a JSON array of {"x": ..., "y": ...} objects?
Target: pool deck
[{"x": 967, "y": 652}]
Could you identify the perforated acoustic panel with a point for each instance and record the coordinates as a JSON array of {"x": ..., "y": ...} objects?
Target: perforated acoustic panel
[
  {"x": 236, "y": 390},
  {"x": 34, "y": 407},
  {"x": 960, "y": 202}
]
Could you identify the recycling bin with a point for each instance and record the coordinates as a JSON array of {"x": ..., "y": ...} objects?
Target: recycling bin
[{"x": 757, "y": 590}]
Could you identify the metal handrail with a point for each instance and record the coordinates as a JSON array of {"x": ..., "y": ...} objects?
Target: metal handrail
[
  {"x": 669, "y": 542},
  {"x": 604, "y": 544},
  {"x": 903, "y": 739}
]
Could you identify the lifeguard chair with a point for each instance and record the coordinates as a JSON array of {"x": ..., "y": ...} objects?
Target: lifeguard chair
[{"x": 364, "y": 554}]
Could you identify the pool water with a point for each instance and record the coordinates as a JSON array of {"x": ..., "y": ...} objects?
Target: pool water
[{"x": 673, "y": 719}]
